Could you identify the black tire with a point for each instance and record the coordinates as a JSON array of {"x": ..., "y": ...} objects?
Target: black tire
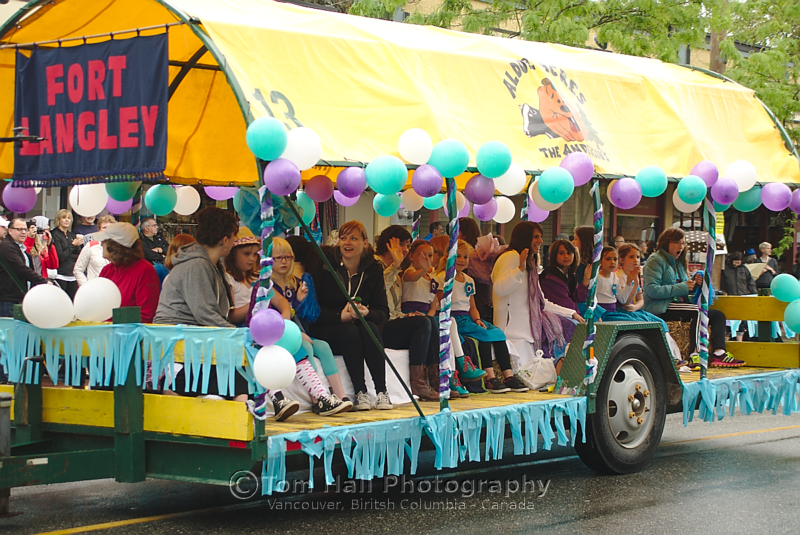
[{"x": 610, "y": 447}]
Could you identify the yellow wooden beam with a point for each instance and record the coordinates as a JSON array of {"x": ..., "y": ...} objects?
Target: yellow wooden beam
[
  {"x": 767, "y": 354},
  {"x": 752, "y": 308},
  {"x": 78, "y": 407},
  {"x": 9, "y": 389},
  {"x": 197, "y": 417}
]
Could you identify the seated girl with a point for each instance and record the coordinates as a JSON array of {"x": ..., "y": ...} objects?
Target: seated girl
[
  {"x": 557, "y": 280},
  {"x": 583, "y": 241}
]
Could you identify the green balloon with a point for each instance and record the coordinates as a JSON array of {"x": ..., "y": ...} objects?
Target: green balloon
[
  {"x": 308, "y": 206},
  {"x": 692, "y": 189},
  {"x": 292, "y": 338},
  {"x": 450, "y": 157},
  {"x": 386, "y": 205},
  {"x": 721, "y": 207},
  {"x": 435, "y": 202},
  {"x": 266, "y": 138},
  {"x": 161, "y": 199},
  {"x": 493, "y": 159},
  {"x": 653, "y": 180},
  {"x": 122, "y": 191},
  {"x": 785, "y": 288},
  {"x": 749, "y": 200}
]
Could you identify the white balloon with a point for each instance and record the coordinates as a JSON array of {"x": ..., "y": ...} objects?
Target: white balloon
[
  {"x": 512, "y": 182},
  {"x": 303, "y": 148},
  {"x": 460, "y": 201},
  {"x": 274, "y": 367},
  {"x": 743, "y": 173},
  {"x": 88, "y": 200},
  {"x": 411, "y": 201},
  {"x": 415, "y": 146},
  {"x": 188, "y": 201},
  {"x": 96, "y": 300},
  {"x": 533, "y": 193},
  {"x": 37, "y": 190},
  {"x": 48, "y": 307},
  {"x": 505, "y": 210},
  {"x": 682, "y": 206}
]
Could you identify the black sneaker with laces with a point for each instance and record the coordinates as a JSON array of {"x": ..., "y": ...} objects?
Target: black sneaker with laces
[
  {"x": 496, "y": 386},
  {"x": 515, "y": 384},
  {"x": 331, "y": 405},
  {"x": 284, "y": 407}
]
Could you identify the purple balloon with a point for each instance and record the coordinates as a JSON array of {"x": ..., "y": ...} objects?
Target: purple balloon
[
  {"x": 536, "y": 214},
  {"x": 580, "y": 166},
  {"x": 794, "y": 204},
  {"x": 266, "y": 327},
  {"x": 707, "y": 171},
  {"x": 344, "y": 200},
  {"x": 724, "y": 191},
  {"x": 118, "y": 207},
  {"x": 626, "y": 193},
  {"x": 479, "y": 189},
  {"x": 221, "y": 193},
  {"x": 776, "y": 196},
  {"x": 351, "y": 182},
  {"x": 485, "y": 212},
  {"x": 282, "y": 177},
  {"x": 19, "y": 200},
  {"x": 427, "y": 181}
]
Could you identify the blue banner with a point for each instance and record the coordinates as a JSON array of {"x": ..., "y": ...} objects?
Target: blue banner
[{"x": 101, "y": 110}]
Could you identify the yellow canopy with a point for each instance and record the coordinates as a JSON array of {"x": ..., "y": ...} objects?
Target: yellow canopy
[{"x": 360, "y": 83}]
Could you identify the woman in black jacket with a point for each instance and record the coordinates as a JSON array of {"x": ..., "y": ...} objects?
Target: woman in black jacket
[
  {"x": 736, "y": 279},
  {"x": 338, "y": 323},
  {"x": 68, "y": 248}
]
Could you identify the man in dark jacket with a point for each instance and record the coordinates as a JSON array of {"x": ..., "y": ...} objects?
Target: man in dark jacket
[
  {"x": 15, "y": 259},
  {"x": 736, "y": 278},
  {"x": 155, "y": 248}
]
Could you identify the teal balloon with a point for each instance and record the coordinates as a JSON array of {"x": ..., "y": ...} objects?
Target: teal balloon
[
  {"x": 450, "y": 157},
  {"x": 493, "y": 159},
  {"x": 308, "y": 206},
  {"x": 785, "y": 288},
  {"x": 721, "y": 207},
  {"x": 122, "y": 191},
  {"x": 653, "y": 181},
  {"x": 292, "y": 338},
  {"x": 386, "y": 174},
  {"x": 692, "y": 189},
  {"x": 266, "y": 138},
  {"x": 386, "y": 205},
  {"x": 435, "y": 202},
  {"x": 792, "y": 315},
  {"x": 161, "y": 199},
  {"x": 749, "y": 200},
  {"x": 556, "y": 185}
]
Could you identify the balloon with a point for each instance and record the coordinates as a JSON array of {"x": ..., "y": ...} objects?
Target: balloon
[
  {"x": 785, "y": 288},
  {"x": 20, "y": 200},
  {"x": 536, "y": 214},
  {"x": 96, "y": 300},
  {"x": 303, "y": 148},
  {"x": 274, "y": 367},
  {"x": 748, "y": 200},
  {"x": 161, "y": 199},
  {"x": 282, "y": 177},
  {"x": 580, "y": 166},
  {"x": 691, "y": 189},
  {"x": 792, "y": 315},
  {"x": 122, "y": 191},
  {"x": 795, "y": 202},
  {"x": 512, "y": 181},
  {"x": 493, "y": 159},
  {"x": 505, "y": 210},
  {"x": 743, "y": 173},
  {"x": 776, "y": 196},
  {"x": 88, "y": 200},
  {"x": 435, "y": 202},
  {"x": 461, "y": 203},
  {"x": 720, "y": 207},
  {"x": 266, "y": 326},
  {"x": 682, "y": 206},
  {"x": 533, "y": 193},
  {"x": 307, "y": 205},
  {"x": 724, "y": 191},
  {"x": 450, "y": 157},
  {"x": 411, "y": 200},
  {"x": 47, "y": 306},
  {"x": 415, "y": 146},
  {"x": 707, "y": 171},
  {"x": 626, "y": 194},
  {"x": 653, "y": 181},
  {"x": 386, "y": 174},
  {"x": 427, "y": 181},
  {"x": 556, "y": 185},
  {"x": 319, "y": 188},
  {"x": 485, "y": 212},
  {"x": 221, "y": 193},
  {"x": 479, "y": 189},
  {"x": 292, "y": 338},
  {"x": 118, "y": 207},
  {"x": 343, "y": 200},
  {"x": 266, "y": 138},
  {"x": 188, "y": 201},
  {"x": 351, "y": 182},
  {"x": 386, "y": 205}
]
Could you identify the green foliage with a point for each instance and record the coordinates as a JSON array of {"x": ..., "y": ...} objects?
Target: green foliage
[
  {"x": 787, "y": 240},
  {"x": 376, "y": 9}
]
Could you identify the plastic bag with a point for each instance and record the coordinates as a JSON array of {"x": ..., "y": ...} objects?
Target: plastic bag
[{"x": 538, "y": 373}]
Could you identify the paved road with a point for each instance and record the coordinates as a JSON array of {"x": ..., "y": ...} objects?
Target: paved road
[{"x": 739, "y": 475}]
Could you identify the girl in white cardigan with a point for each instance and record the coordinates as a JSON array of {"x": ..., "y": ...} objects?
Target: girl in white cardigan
[{"x": 91, "y": 261}]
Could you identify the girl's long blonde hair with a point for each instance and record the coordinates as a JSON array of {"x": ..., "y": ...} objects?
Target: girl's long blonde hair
[
  {"x": 281, "y": 247},
  {"x": 439, "y": 245}
]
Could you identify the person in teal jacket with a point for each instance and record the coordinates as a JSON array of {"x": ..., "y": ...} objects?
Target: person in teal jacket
[{"x": 667, "y": 291}]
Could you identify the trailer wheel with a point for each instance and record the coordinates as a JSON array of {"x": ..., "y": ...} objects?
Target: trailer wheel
[{"x": 624, "y": 432}]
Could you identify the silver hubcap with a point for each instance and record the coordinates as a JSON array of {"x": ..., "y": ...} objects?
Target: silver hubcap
[{"x": 630, "y": 402}]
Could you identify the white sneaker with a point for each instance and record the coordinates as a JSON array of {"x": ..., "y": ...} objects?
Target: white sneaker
[
  {"x": 383, "y": 403},
  {"x": 362, "y": 402}
]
